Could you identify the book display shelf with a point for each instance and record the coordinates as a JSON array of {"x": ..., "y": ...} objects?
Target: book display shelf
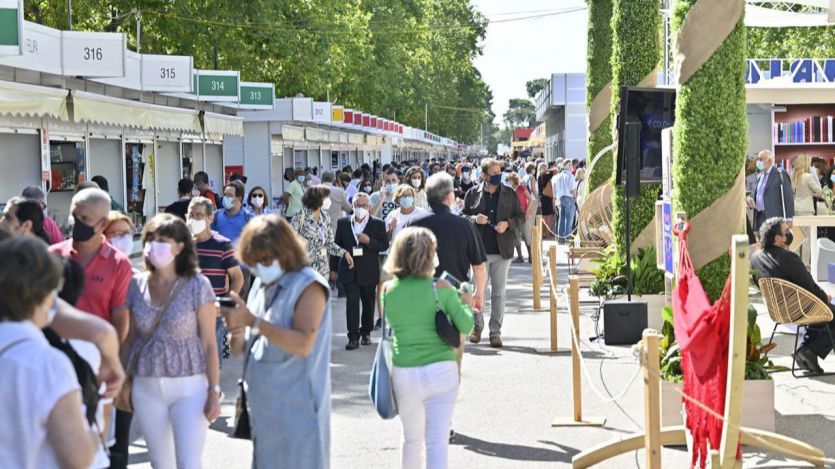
[{"x": 804, "y": 128}]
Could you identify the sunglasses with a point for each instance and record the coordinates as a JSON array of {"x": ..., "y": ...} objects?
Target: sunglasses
[{"x": 257, "y": 196}]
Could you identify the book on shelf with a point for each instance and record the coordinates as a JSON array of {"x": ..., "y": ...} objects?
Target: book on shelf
[{"x": 812, "y": 129}]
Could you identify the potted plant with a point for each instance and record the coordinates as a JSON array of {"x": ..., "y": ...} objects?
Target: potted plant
[
  {"x": 758, "y": 395},
  {"x": 610, "y": 276}
]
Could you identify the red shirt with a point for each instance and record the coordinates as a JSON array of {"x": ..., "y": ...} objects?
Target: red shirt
[
  {"x": 520, "y": 191},
  {"x": 106, "y": 279},
  {"x": 52, "y": 230},
  {"x": 211, "y": 196}
]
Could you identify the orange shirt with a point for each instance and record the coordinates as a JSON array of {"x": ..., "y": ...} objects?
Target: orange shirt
[{"x": 106, "y": 279}]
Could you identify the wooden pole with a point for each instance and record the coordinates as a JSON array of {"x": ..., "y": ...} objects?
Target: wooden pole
[
  {"x": 576, "y": 383},
  {"x": 574, "y": 296},
  {"x": 736, "y": 351},
  {"x": 552, "y": 266},
  {"x": 652, "y": 400},
  {"x": 537, "y": 264}
]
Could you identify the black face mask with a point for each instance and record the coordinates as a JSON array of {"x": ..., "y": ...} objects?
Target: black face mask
[{"x": 82, "y": 232}]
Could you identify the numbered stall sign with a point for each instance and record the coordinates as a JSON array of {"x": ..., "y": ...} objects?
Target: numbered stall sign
[
  {"x": 166, "y": 73},
  {"x": 257, "y": 95},
  {"x": 217, "y": 85},
  {"x": 87, "y": 54},
  {"x": 321, "y": 112}
]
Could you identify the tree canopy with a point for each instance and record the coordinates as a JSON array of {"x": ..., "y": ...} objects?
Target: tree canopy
[
  {"x": 520, "y": 113},
  {"x": 535, "y": 86},
  {"x": 388, "y": 58}
]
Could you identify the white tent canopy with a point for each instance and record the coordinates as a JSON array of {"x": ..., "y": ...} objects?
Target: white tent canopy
[{"x": 776, "y": 14}]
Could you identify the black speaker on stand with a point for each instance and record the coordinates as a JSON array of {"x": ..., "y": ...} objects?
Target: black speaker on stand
[{"x": 625, "y": 321}]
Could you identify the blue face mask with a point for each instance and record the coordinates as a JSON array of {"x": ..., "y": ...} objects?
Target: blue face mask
[
  {"x": 760, "y": 165},
  {"x": 227, "y": 202},
  {"x": 391, "y": 188},
  {"x": 495, "y": 180},
  {"x": 832, "y": 178},
  {"x": 300, "y": 178},
  {"x": 407, "y": 202}
]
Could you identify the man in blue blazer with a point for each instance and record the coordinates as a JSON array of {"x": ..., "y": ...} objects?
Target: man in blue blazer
[{"x": 772, "y": 195}]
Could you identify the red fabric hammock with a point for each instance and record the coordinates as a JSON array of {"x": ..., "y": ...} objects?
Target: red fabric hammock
[{"x": 701, "y": 331}]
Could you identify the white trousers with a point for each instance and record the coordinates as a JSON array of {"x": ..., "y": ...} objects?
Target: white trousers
[
  {"x": 169, "y": 412},
  {"x": 425, "y": 400}
]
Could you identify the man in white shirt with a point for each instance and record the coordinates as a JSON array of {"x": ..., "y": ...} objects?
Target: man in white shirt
[
  {"x": 564, "y": 193},
  {"x": 339, "y": 201}
]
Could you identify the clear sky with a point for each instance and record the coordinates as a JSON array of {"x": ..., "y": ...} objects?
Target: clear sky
[{"x": 518, "y": 51}]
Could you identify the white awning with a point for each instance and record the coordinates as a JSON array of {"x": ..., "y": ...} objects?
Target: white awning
[
  {"x": 794, "y": 93},
  {"x": 221, "y": 124},
  {"x": 22, "y": 100},
  {"x": 761, "y": 17},
  {"x": 106, "y": 110}
]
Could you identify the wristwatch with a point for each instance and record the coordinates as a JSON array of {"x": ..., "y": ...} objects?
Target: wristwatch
[
  {"x": 216, "y": 389},
  {"x": 256, "y": 327}
]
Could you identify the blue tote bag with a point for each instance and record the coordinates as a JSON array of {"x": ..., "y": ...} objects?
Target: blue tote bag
[{"x": 380, "y": 388}]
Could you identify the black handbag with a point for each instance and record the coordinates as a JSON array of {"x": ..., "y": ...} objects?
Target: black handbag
[
  {"x": 243, "y": 429},
  {"x": 443, "y": 325}
]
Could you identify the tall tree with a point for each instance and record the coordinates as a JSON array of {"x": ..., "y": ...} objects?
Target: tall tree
[
  {"x": 520, "y": 113},
  {"x": 385, "y": 58},
  {"x": 535, "y": 86}
]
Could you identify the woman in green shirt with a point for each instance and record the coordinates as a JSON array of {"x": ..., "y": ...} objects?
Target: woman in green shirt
[{"x": 425, "y": 374}]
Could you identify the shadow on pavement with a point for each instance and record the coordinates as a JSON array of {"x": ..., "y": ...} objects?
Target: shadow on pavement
[{"x": 516, "y": 452}]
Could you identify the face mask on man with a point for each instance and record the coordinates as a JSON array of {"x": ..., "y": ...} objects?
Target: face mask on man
[
  {"x": 495, "y": 180},
  {"x": 268, "y": 274},
  {"x": 159, "y": 253},
  {"x": 300, "y": 179},
  {"x": 227, "y": 202},
  {"x": 196, "y": 226},
  {"x": 760, "y": 165},
  {"x": 465, "y": 175},
  {"x": 360, "y": 213},
  {"x": 390, "y": 188},
  {"x": 82, "y": 232}
]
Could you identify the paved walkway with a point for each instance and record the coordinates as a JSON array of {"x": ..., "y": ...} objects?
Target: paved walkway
[{"x": 509, "y": 396}]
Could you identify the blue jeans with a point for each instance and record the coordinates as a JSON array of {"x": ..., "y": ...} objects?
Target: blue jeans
[{"x": 566, "y": 224}]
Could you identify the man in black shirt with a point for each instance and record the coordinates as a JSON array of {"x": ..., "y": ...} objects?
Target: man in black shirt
[
  {"x": 497, "y": 213},
  {"x": 775, "y": 260},
  {"x": 180, "y": 207},
  {"x": 459, "y": 245}
]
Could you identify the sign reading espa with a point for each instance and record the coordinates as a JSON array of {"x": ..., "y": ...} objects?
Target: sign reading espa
[{"x": 87, "y": 54}]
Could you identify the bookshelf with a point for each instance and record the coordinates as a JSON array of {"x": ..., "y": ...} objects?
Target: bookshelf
[{"x": 804, "y": 128}]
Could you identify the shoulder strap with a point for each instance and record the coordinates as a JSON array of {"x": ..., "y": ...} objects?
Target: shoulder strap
[
  {"x": 174, "y": 292},
  {"x": 435, "y": 293}
]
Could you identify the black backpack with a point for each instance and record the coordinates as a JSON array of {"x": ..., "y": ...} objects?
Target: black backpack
[{"x": 86, "y": 377}]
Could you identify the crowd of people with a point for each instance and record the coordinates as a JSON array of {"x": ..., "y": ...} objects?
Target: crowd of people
[{"x": 233, "y": 272}]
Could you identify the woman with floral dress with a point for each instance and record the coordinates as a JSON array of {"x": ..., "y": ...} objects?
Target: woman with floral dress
[{"x": 313, "y": 224}]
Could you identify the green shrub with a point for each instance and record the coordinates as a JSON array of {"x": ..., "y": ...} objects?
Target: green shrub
[
  {"x": 635, "y": 53},
  {"x": 710, "y": 136},
  {"x": 598, "y": 75},
  {"x": 647, "y": 279}
]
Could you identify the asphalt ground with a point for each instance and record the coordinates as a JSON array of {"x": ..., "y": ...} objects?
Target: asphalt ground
[{"x": 509, "y": 396}]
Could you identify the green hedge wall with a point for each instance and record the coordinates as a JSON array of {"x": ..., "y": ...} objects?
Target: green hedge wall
[
  {"x": 636, "y": 51},
  {"x": 710, "y": 136},
  {"x": 598, "y": 74}
]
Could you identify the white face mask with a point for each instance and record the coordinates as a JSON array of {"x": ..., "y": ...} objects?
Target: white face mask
[
  {"x": 257, "y": 202},
  {"x": 360, "y": 213},
  {"x": 123, "y": 243},
  {"x": 416, "y": 182},
  {"x": 326, "y": 204},
  {"x": 268, "y": 274},
  {"x": 196, "y": 226}
]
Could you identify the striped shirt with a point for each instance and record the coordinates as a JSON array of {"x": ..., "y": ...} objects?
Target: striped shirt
[{"x": 216, "y": 256}]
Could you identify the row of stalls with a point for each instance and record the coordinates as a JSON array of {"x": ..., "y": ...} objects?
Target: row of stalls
[
  {"x": 74, "y": 105},
  {"x": 302, "y": 133}
]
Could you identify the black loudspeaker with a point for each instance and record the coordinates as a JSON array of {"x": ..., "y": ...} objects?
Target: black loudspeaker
[
  {"x": 632, "y": 157},
  {"x": 624, "y": 321}
]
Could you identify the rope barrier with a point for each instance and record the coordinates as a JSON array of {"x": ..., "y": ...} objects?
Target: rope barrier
[{"x": 641, "y": 355}]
